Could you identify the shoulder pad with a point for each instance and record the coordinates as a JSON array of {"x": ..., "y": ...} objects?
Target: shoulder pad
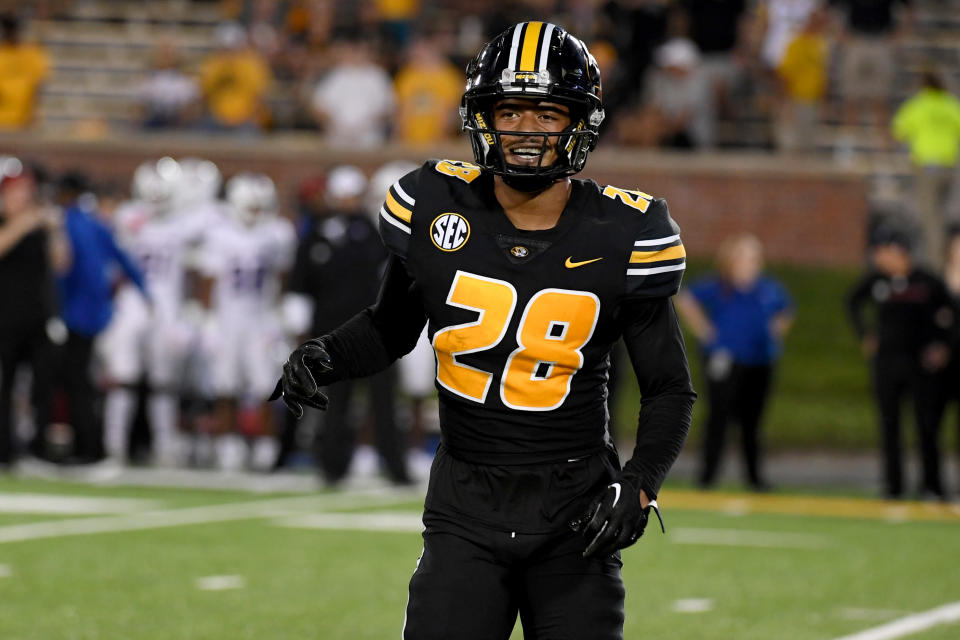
[
  {"x": 657, "y": 258},
  {"x": 396, "y": 214}
]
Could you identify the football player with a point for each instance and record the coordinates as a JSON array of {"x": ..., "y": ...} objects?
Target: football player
[
  {"x": 244, "y": 259},
  {"x": 525, "y": 278},
  {"x": 148, "y": 337}
]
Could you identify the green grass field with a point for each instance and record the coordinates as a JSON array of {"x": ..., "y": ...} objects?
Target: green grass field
[{"x": 730, "y": 567}]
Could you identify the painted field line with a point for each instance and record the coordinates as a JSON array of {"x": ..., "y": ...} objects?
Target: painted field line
[
  {"x": 911, "y": 624},
  {"x": 220, "y": 583},
  {"x": 5, "y": 571},
  {"x": 692, "y": 605},
  {"x": 70, "y": 505},
  {"x": 206, "y": 514},
  {"x": 385, "y": 521},
  {"x": 746, "y": 538},
  {"x": 863, "y": 508}
]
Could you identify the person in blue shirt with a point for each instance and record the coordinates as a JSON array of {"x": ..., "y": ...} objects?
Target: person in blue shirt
[
  {"x": 86, "y": 306},
  {"x": 739, "y": 316}
]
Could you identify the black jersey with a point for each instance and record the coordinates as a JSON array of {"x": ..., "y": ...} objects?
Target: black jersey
[{"x": 522, "y": 321}]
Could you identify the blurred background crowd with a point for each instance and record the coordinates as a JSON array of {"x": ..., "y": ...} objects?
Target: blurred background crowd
[
  {"x": 180, "y": 283},
  {"x": 790, "y": 74}
]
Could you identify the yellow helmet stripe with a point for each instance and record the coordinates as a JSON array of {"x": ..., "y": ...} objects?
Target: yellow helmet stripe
[
  {"x": 529, "y": 47},
  {"x": 670, "y": 253},
  {"x": 398, "y": 209}
]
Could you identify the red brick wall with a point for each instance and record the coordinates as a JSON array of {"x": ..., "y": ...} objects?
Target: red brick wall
[{"x": 805, "y": 213}]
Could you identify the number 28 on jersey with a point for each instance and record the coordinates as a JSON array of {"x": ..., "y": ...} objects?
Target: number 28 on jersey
[{"x": 554, "y": 326}]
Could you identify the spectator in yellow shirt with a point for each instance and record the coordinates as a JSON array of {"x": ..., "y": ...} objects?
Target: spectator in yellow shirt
[
  {"x": 929, "y": 122},
  {"x": 23, "y": 68},
  {"x": 803, "y": 74},
  {"x": 428, "y": 89},
  {"x": 234, "y": 81}
]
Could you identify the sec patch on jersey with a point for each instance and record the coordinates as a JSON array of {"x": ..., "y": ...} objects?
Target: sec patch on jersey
[{"x": 449, "y": 231}]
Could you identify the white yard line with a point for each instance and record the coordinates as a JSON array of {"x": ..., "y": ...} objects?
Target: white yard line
[
  {"x": 220, "y": 583},
  {"x": 206, "y": 514},
  {"x": 747, "y": 538},
  {"x": 103, "y": 475},
  {"x": 910, "y": 624},
  {"x": 70, "y": 505},
  {"x": 693, "y": 605},
  {"x": 385, "y": 521},
  {"x": 5, "y": 571}
]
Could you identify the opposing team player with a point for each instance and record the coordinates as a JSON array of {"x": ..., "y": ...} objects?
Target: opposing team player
[
  {"x": 148, "y": 337},
  {"x": 244, "y": 259},
  {"x": 525, "y": 277}
]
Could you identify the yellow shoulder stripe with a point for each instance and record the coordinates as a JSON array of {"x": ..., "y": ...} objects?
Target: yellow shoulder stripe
[
  {"x": 398, "y": 209},
  {"x": 670, "y": 253}
]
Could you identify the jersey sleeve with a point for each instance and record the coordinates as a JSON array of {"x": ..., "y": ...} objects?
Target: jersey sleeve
[
  {"x": 657, "y": 259},
  {"x": 397, "y": 212}
]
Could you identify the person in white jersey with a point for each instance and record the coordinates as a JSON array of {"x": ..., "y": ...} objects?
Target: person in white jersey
[
  {"x": 244, "y": 259},
  {"x": 148, "y": 338}
]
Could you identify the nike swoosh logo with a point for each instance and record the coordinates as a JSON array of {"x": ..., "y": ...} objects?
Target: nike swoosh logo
[{"x": 570, "y": 264}]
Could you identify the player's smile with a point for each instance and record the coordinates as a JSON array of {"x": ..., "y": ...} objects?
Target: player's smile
[{"x": 526, "y": 115}]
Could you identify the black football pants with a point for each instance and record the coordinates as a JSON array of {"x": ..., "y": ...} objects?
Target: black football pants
[
  {"x": 30, "y": 346},
  {"x": 739, "y": 394},
  {"x": 74, "y": 377},
  {"x": 894, "y": 378},
  {"x": 471, "y": 583}
]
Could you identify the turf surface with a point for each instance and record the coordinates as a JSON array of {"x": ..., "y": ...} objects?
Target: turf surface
[{"x": 763, "y": 575}]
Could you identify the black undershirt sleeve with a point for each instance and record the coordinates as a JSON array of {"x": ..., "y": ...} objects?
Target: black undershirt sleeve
[
  {"x": 372, "y": 340},
  {"x": 655, "y": 344}
]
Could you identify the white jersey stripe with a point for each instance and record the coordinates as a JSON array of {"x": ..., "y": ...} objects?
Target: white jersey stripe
[
  {"x": 403, "y": 194},
  {"x": 389, "y": 218},
  {"x": 653, "y": 270},
  {"x": 515, "y": 46},
  {"x": 656, "y": 241},
  {"x": 545, "y": 47}
]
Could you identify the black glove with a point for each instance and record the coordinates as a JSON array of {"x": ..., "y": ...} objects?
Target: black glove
[
  {"x": 298, "y": 385},
  {"x": 614, "y": 520}
]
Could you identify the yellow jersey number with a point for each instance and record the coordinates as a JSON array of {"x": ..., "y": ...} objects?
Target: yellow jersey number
[
  {"x": 464, "y": 170},
  {"x": 554, "y": 327},
  {"x": 636, "y": 199}
]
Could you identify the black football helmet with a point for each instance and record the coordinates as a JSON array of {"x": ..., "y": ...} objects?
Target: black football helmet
[{"x": 535, "y": 60}]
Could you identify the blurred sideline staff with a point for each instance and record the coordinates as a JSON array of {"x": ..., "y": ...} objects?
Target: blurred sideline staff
[
  {"x": 951, "y": 375},
  {"x": 33, "y": 248},
  {"x": 906, "y": 342},
  {"x": 740, "y": 317},
  {"x": 337, "y": 273},
  {"x": 86, "y": 299}
]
